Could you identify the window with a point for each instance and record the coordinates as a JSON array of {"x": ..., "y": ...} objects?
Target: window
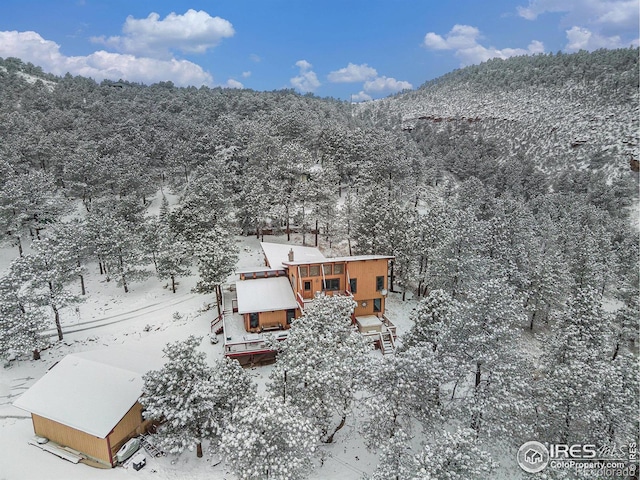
[
  {"x": 332, "y": 284},
  {"x": 314, "y": 270},
  {"x": 291, "y": 315},
  {"x": 254, "y": 320},
  {"x": 379, "y": 283},
  {"x": 326, "y": 269},
  {"x": 307, "y": 286},
  {"x": 353, "y": 285},
  {"x": 304, "y": 272},
  {"x": 338, "y": 269},
  {"x": 377, "y": 304}
]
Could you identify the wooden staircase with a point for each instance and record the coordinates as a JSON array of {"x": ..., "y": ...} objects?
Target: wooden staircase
[{"x": 387, "y": 342}]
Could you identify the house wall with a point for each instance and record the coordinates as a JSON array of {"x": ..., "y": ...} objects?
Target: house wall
[
  {"x": 365, "y": 271},
  {"x": 94, "y": 447},
  {"x": 267, "y": 320},
  {"x": 132, "y": 424}
]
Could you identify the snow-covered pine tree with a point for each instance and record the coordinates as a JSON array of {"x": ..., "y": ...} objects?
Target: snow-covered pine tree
[
  {"x": 115, "y": 232},
  {"x": 171, "y": 253},
  {"x": 28, "y": 203},
  {"x": 492, "y": 392},
  {"x": 181, "y": 396},
  {"x": 431, "y": 316},
  {"x": 321, "y": 365},
  {"x": 403, "y": 393},
  {"x": 46, "y": 274},
  {"x": 584, "y": 391},
  {"x": 20, "y": 323},
  {"x": 454, "y": 456},
  {"x": 216, "y": 255},
  {"x": 268, "y": 440},
  {"x": 232, "y": 389},
  {"x": 396, "y": 461},
  {"x": 451, "y": 456}
]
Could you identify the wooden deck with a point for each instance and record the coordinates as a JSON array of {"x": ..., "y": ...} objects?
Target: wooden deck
[{"x": 261, "y": 347}]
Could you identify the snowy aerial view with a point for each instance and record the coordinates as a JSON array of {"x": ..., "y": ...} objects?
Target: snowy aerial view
[{"x": 330, "y": 240}]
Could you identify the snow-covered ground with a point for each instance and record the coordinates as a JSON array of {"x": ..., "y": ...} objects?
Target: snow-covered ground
[{"x": 144, "y": 320}]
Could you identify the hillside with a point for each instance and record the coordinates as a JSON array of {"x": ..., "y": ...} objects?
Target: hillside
[
  {"x": 501, "y": 191},
  {"x": 558, "y": 111}
]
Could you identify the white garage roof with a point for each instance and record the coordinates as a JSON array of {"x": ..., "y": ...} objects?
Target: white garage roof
[
  {"x": 265, "y": 295},
  {"x": 90, "y": 391}
]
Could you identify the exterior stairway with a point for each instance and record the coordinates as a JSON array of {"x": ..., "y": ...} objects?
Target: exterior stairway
[{"x": 387, "y": 342}]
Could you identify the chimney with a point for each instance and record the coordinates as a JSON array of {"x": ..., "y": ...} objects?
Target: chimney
[{"x": 291, "y": 255}]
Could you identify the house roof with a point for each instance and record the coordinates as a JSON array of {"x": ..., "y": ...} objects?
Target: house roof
[
  {"x": 90, "y": 391},
  {"x": 278, "y": 253},
  {"x": 265, "y": 295},
  {"x": 352, "y": 258}
]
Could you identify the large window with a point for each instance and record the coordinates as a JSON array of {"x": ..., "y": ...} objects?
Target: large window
[
  {"x": 291, "y": 315},
  {"x": 332, "y": 284},
  {"x": 377, "y": 304},
  {"x": 379, "y": 283},
  {"x": 314, "y": 270},
  {"x": 338, "y": 269},
  {"x": 326, "y": 268},
  {"x": 353, "y": 285},
  {"x": 304, "y": 272},
  {"x": 254, "y": 320}
]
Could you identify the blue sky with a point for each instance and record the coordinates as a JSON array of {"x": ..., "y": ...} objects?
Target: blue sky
[{"x": 347, "y": 49}]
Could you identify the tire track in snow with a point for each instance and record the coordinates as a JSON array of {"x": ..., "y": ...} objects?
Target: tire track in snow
[{"x": 103, "y": 322}]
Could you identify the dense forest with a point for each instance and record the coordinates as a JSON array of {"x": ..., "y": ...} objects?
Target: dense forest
[{"x": 506, "y": 191}]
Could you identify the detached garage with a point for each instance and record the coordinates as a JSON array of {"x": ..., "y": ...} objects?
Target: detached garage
[{"x": 88, "y": 402}]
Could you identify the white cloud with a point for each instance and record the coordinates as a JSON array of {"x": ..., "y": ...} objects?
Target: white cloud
[
  {"x": 460, "y": 36},
  {"x": 31, "y": 47},
  {"x": 307, "y": 80},
  {"x": 352, "y": 73},
  {"x": 246, "y": 74},
  {"x": 361, "y": 97},
  {"x": 193, "y": 32},
  {"x": 604, "y": 12},
  {"x": 386, "y": 84},
  {"x": 583, "y": 39},
  {"x": 231, "y": 83},
  {"x": 303, "y": 65},
  {"x": 463, "y": 39},
  {"x": 591, "y": 24},
  {"x": 255, "y": 58}
]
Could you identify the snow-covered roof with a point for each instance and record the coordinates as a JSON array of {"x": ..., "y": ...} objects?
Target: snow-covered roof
[
  {"x": 90, "y": 391},
  {"x": 265, "y": 295},
  {"x": 278, "y": 253},
  {"x": 351, "y": 258}
]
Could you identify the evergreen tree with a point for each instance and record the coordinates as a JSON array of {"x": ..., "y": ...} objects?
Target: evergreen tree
[
  {"x": 20, "y": 322},
  {"x": 584, "y": 389},
  {"x": 46, "y": 274},
  {"x": 320, "y": 366},
  {"x": 493, "y": 390},
  {"x": 216, "y": 255},
  {"x": 179, "y": 395},
  {"x": 268, "y": 440},
  {"x": 403, "y": 395}
]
